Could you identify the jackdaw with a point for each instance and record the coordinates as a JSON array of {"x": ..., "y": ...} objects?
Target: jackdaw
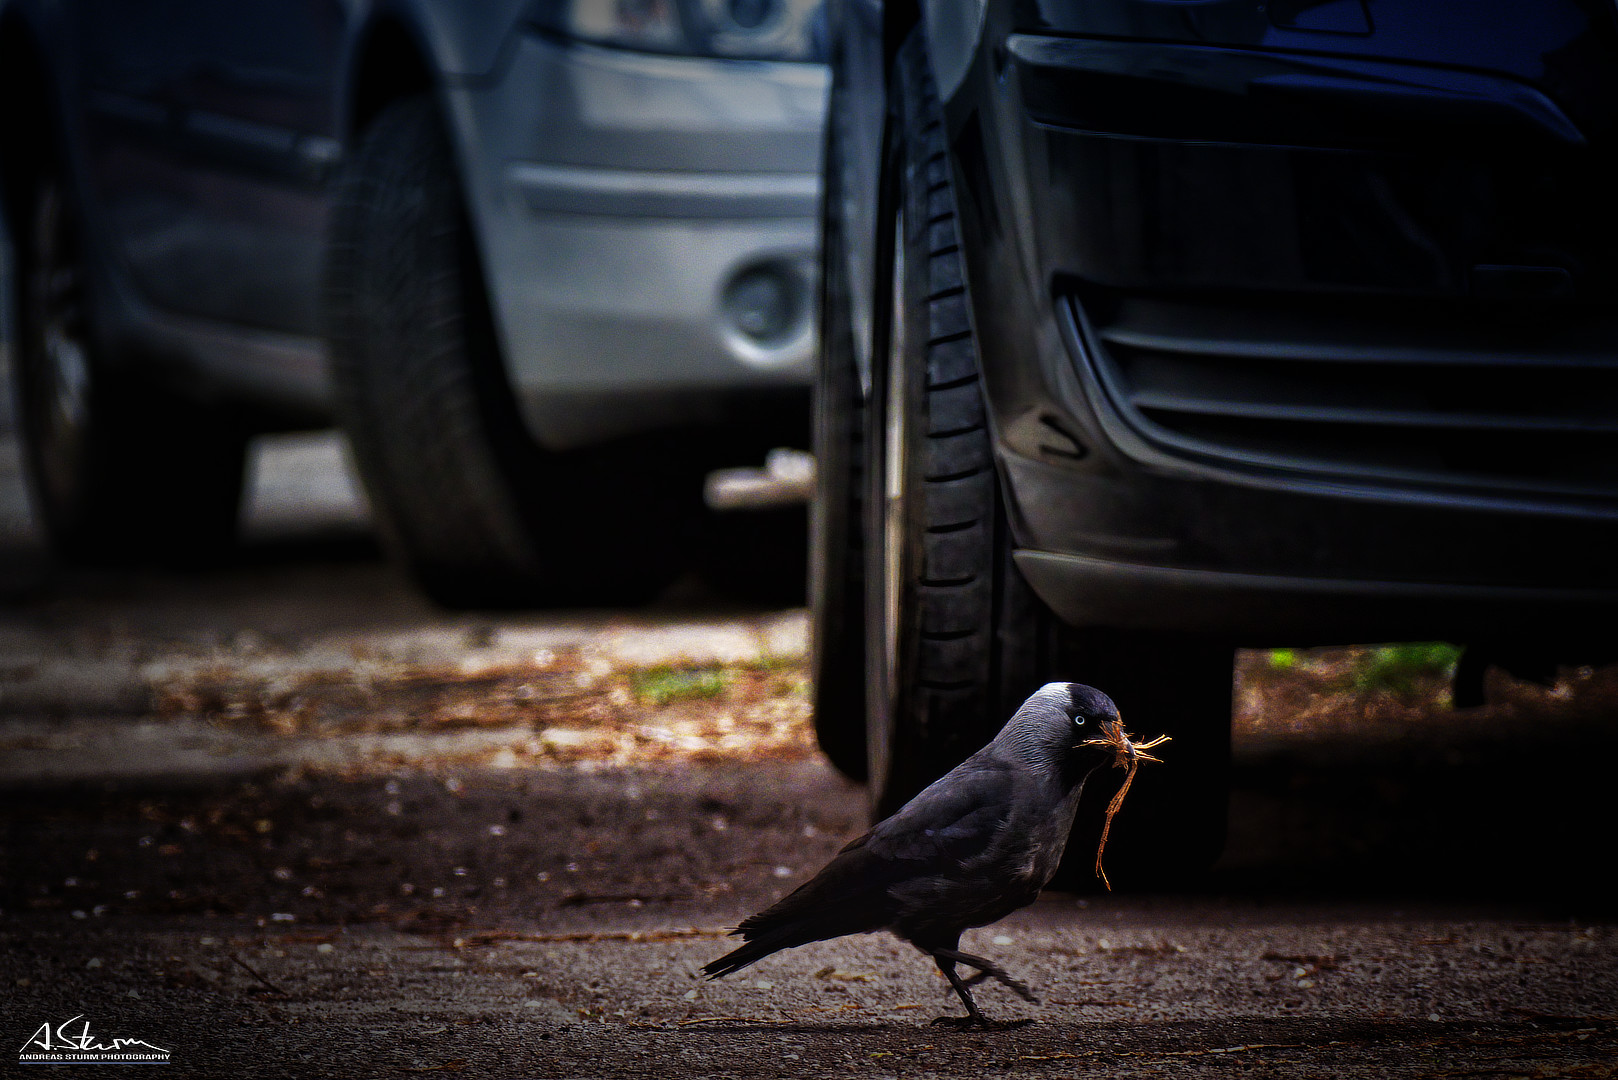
[{"x": 973, "y": 847}]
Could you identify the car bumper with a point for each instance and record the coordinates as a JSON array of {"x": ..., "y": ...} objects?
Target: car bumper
[
  {"x": 1272, "y": 565},
  {"x": 1352, "y": 389},
  {"x": 648, "y": 228}
]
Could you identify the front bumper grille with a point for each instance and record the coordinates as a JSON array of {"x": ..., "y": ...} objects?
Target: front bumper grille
[{"x": 1460, "y": 400}]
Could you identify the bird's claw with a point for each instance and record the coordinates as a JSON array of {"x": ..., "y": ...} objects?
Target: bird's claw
[{"x": 1016, "y": 986}]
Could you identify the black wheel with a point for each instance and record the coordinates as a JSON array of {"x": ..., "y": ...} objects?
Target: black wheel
[
  {"x": 836, "y": 570},
  {"x": 481, "y": 514},
  {"x": 954, "y": 640},
  {"x": 123, "y": 470}
]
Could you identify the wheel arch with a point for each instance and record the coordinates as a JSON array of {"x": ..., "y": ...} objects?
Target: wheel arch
[
  {"x": 390, "y": 61},
  {"x": 393, "y": 60},
  {"x": 28, "y": 137}
]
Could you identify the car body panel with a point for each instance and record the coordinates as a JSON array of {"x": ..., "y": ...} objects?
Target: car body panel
[
  {"x": 572, "y": 216},
  {"x": 1206, "y": 240},
  {"x": 209, "y": 132},
  {"x": 1524, "y": 40},
  {"x": 207, "y": 139}
]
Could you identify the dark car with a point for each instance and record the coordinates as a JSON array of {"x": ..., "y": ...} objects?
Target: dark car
[
  {"x": 1156, "y": 328},
  {"x": 547, "y": 261}
]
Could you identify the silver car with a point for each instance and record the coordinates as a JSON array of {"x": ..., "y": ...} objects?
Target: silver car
[{"x": 548, "y": 263}]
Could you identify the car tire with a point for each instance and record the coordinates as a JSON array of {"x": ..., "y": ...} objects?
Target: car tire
[
  {"x": 955, "y": 637},
  {"x": 481, "y": 514},
  {"x": 836, "y": 550},
  {"x": 123, "y": 471},
  {"x": 951, "y": 633}
]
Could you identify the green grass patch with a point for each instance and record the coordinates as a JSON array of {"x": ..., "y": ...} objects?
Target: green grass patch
[
  {"x": 776, "y": 663},
  {"x": 662, "y": 685},
  {"x": 1402, "y": 668},
  {"x": 1283, "y": 659}
]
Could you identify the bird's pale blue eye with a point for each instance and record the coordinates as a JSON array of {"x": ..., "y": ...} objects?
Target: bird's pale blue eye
[{"x": 1078, "y": 721}]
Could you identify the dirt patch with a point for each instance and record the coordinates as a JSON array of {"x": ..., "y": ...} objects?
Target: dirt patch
[
  {"x": 561, "y": 709},
  {"x": 1316, "y": 696}
]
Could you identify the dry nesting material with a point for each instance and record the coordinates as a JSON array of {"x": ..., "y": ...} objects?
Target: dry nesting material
[{"x": 1127, "y": 754}]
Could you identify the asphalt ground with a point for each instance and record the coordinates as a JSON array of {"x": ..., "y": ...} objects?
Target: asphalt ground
[{"x": 285, "y": 818}]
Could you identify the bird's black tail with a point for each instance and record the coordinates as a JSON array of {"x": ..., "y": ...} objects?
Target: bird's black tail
[
  {"x": 757, "y": 948},
  {"x": 848, "y": 896}
]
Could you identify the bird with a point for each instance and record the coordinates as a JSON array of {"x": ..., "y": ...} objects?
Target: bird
[{"x": 971, "y": 848}]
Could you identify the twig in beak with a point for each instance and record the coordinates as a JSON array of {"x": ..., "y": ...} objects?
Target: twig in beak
[{"x": 1128, "y": 754}]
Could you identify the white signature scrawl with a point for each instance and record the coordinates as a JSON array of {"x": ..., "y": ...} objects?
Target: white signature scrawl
[{"x": 64, "y": 1043}]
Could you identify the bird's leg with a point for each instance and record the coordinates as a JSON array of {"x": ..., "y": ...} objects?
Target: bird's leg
[
  {"x": 986, "y": 968},
  {"x": 946, "y": 964}
]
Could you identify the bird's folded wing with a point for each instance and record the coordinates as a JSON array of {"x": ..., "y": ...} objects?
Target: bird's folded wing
[
  {"x": 950, "y": 822},
  {"x": 945, "y": 826}
]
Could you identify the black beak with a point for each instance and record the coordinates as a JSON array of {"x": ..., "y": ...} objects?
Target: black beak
[{"x": 1115, "y": 732}]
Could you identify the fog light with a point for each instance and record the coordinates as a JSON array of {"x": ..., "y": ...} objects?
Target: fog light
[
  {"x": 767, "y": 304},
  {"x": 751, "y": 14}
]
